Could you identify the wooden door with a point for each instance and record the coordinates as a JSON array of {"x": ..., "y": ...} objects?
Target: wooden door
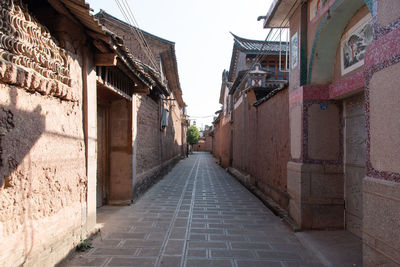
[
  {"x": 354, "y": 161},
  {"x": 102, "y": 155}
]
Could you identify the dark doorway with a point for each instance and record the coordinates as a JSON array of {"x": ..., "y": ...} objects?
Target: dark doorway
[{"x": 102, "y": 155}]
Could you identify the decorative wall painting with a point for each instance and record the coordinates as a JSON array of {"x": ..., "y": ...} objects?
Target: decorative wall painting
[
  {"x": 354, "y": 44},
  {"x": 316, "y": 6},
  {"x": 294, "y": 50}
]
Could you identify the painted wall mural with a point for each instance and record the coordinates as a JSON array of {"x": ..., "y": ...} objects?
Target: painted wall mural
[
  {"x": 294, "y": 50},
  {"x": 354, "y": 44},
  {"x": 316, "y": 6}
]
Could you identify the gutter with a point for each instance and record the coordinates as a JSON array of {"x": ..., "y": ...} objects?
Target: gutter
[{"x": 271, "y": 12}]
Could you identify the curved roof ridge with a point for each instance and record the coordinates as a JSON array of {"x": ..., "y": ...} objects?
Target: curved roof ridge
[
  {"x": 241, "y": 39},
  {"x": 104, "y": 13}
]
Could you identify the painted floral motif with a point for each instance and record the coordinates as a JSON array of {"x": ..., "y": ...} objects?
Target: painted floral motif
[
  {"x": 294, "y": 50},
  {"x": 355, "y": 43},
  {"x": 316, "y": 7}
]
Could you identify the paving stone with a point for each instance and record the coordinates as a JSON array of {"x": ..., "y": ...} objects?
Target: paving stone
[
  {"x": 197, "y": 253},
  {"x": 148, "y": 252},
  {"x": 113, "y": 252},
  {"x": 208, "y": 263},
  {"x": 126, "y": 236},
  {"x": 198, "y": 237},
  {"x": 197, "y": 214},
  {"x": 219, "y": 253},
  {"x": 206, "y": 231},
  {"x": 87, "y": 261},
  {"x": 227, "y": 238},
  {"x": 204, "y": 244},
  {"x": 302, "y": 264},
  {"x": 247, "y": 263},
  {"x": 278, "y": 255},
  {"x": 174, "y": 247},
  {"x": 142, "y": 262},
  {"x": 250, "y": 245},
  {"x": 169, "y": 261},
  {"x": 142, "y": 243},
  {"x": 178, "y": 233},
  {"x": 105, "y": 243},
  {"x": 198, "y": 225},
  {"x": 156, "y": 236}
]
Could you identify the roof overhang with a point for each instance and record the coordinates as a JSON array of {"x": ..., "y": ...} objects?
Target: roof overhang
[
  {"x": 171, "y": 70},
  {"x": 279, "y": 13},
  {"x": 107, "y": 42}
]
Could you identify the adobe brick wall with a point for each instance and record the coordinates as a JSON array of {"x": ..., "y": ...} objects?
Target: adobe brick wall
[
  {"x": 222, "y": 145},
  {"x": 157, "y": 150},
  {"x": 148, "y": 134},
  {"x": 261, "y": 144},
  {"x": 43, "y": 181},
  {"x": 208, "y": 144},
  {"x": 204, "y": 145}
]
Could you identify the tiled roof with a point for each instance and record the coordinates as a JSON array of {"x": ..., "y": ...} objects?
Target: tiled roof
[
  {"x": 170, "y": 55},
  {"x": 81, "y": 11},
  {"x": 278, "y": 86},
  {"x": 248, "y": 45}
]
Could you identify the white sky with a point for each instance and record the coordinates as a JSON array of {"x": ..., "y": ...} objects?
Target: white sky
[{"x": 203, "y": 44}]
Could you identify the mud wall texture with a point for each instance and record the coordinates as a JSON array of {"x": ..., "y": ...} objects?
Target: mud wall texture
[
  {"x": 157, "y": 149},
  {"x": 261, "y": 144},
  {"x": 43, "y": 180},
  {"x": 223, "y": 143},
  {"x": 204, "y": 144}
]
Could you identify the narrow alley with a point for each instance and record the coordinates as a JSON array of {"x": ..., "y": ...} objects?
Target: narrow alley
[{"x": 198, "y": 215}]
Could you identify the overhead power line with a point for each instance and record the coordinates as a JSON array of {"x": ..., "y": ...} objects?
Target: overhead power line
[
  {"x": 261, "y": 54},
  {"x": 134, "y": 27},
  {"x": 202, "y": 117}
]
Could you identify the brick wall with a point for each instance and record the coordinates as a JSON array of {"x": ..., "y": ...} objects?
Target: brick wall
[
  {"x": 204, "y": 145},
  {"x": 156, "y": 149},
  {"x": 122, "y": 30},
  {"x": 148, "y": 134},
  {"x": 222, "y": 144},
  {"x": 261, "y": 144}
]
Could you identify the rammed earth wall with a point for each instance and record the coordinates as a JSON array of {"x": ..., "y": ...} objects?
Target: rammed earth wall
[
  {"x": 261, "y": 145},
  {"x": 43, "y": 181}
]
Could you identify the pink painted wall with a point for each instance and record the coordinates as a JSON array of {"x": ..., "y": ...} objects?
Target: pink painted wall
[{"x": 261, "y": 144}]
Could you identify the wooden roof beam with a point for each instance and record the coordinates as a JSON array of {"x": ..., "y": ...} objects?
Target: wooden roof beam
[{"x": 106, "y": 59}]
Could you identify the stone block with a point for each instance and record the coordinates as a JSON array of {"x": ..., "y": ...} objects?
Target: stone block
[
  {"x": 208, "y": 263},
  {"x": 326, "y": 216},
  {"x": 381, "y": 221},
  {"x": 388, "y": 11},
  {"x": 384, "y": 120},
  {"x": 323, "y": 125},
  {"x": 326, "y": 186}
]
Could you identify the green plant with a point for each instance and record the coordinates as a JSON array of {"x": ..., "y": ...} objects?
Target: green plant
[
  {"x": 84, "y": 245},
  {"x": 193, "y": 135}
]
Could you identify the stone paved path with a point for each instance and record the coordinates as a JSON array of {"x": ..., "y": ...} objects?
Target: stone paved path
[{"x": 198, "y": 215}]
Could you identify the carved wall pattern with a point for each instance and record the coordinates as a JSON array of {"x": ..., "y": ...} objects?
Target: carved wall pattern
[{"x": 25, "y": 42}]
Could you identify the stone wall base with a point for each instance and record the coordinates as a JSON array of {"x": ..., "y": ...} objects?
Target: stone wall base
[
  {"x": 149, "y": 178},
  {"x": 249, "y": 182},
  {"x": 316, "y": 195},
  {"x": 45, "y": 242},
  {"x": 381, "y": 222}
]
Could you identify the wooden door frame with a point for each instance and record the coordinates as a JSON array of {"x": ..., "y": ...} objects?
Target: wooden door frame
[{"x": 106, "y": 182}]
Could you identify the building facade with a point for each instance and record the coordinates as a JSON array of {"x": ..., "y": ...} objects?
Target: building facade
[
  {"x": 251, "y": 130},
  {"x": 160, "y": 115},
  {"x": 205, "y": 143},
  {"x": 343, "y": 89},
  {"x": 69, "y": 90}
]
